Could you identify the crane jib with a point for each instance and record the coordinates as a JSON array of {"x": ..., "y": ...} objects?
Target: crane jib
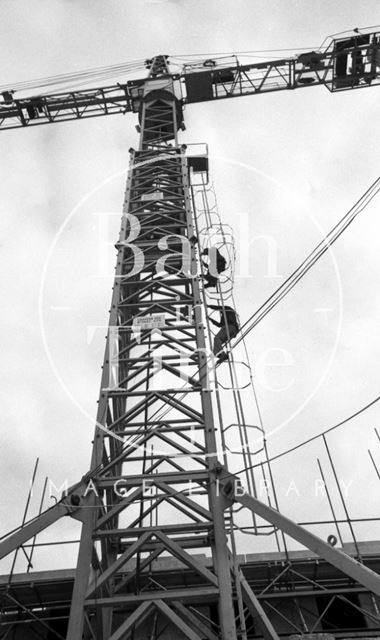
[{"x": 347, "y": 63}]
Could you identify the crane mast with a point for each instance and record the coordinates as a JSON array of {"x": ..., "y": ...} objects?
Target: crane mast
[{"x": 155, "y": 319}]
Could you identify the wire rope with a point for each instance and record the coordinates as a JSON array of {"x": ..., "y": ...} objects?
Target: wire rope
[
  {"x": 91, "y": 74},
  {"x": 132, "y": 65},
  {"x": 238, "y": 53},
  {"x": 323, "y": 433},
  {"x": 309, "y": 261}
]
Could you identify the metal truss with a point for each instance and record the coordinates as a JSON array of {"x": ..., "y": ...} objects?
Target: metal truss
[
  {"x": 290, "y": 594},
  {"x": 356, "y": 570},
  {"x": 59, "y": 107},
  {"x": 155, "y": 487},
  {"x": 299, "y": 593},
  {"x": 348, "y": 63},
  {"x": 145, "y": 453}
]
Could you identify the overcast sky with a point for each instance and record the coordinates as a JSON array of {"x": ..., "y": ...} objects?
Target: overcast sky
[{"x": 286, "y": 166}]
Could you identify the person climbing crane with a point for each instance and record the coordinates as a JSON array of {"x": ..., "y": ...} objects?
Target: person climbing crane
[
  {"x": 216, "y": 265},
  {"x": 229, "y": 327}
]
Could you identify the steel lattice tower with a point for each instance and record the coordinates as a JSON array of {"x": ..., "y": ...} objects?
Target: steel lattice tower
[{"x": 119, "y": 529}]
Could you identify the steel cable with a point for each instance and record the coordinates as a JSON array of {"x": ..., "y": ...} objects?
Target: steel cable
[{"x": 309, "y": 261}]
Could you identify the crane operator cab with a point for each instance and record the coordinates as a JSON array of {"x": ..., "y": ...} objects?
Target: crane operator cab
[{"x": 356, "y": 61}]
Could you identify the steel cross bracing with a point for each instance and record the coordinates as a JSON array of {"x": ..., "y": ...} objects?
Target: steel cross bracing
[
  {"x": 347, "y": 63},
  {"x": 161, "y": 441},
  {"x": 155, "y": 486}
]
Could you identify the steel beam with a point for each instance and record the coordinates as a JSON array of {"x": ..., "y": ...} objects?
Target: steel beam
[
  {"x": 192, "y": 595},
  {"x": 222, "y": 82},
  {"x": 137, "y": 617},
  {"x": 177, "y": 621},
  {"x": 349, "y": 566},
  {"x": 203, "y": 630},
  {"x": 63, "y": 508},
  {"x": 256, "y": 610}
]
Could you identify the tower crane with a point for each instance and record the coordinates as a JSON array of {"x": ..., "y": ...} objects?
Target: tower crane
[
  {"x": 347, "y": 63},
  {"x": 135, "y": 507}
]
